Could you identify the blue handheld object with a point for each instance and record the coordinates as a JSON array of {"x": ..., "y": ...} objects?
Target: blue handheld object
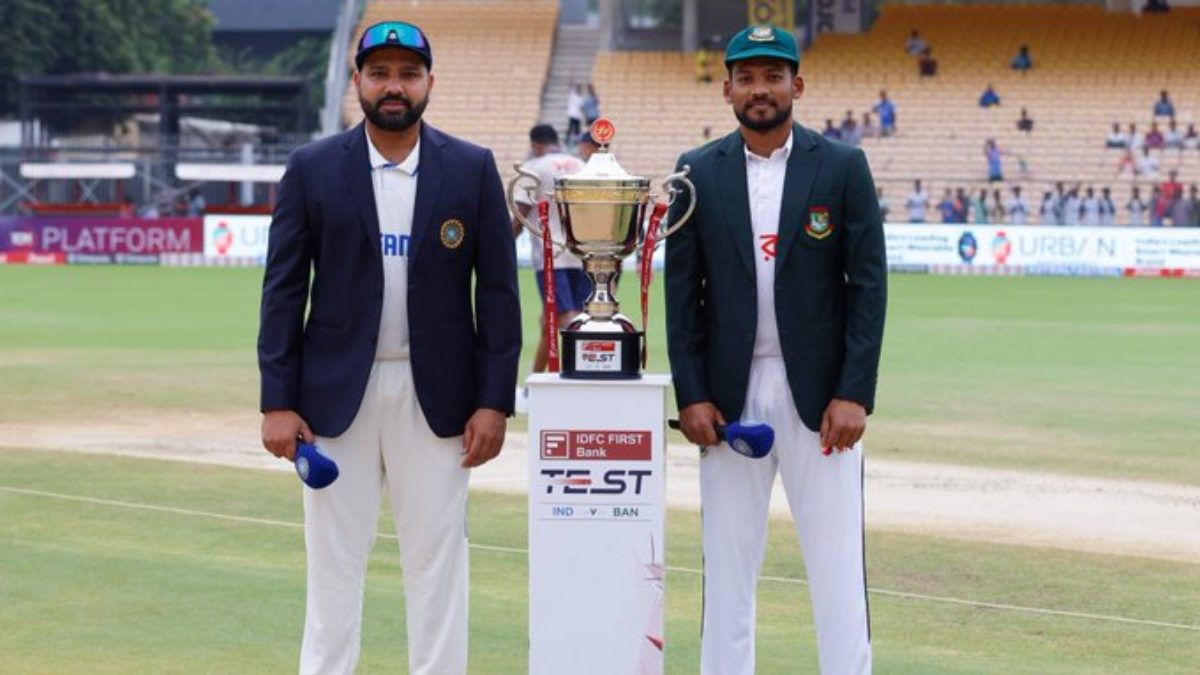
[
  {"x": 314, "y": 467},
  {"x": 751, "y": 439}
]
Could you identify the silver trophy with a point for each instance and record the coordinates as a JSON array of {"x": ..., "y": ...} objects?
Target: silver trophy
[{"x": 605, "y": 214}]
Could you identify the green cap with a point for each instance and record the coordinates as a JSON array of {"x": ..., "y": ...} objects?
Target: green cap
[{"x": 765, "y": 41}]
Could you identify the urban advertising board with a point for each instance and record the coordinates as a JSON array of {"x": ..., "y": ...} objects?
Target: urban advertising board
[{"x": 1043, "y": 250}]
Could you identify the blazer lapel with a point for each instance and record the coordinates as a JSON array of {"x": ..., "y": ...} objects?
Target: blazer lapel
[
  {"x": 797, "y": 184},
  {"x": 356, "y": 169},
  {"x": 431, "y": 173},
  {"x": 735, "y": 198}
]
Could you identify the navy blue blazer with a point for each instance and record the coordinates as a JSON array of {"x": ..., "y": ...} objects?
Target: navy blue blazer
[{"x": 324, "y": 252}]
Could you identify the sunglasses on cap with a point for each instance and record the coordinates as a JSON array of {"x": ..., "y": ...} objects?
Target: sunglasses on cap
[{"x": 393, "y": 33}]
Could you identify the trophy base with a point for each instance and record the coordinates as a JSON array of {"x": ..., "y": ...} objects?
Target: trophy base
[{"x": 601, "y": 355}]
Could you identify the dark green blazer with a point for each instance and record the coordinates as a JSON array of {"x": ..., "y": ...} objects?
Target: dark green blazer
[{"x": 830, "y": 278}]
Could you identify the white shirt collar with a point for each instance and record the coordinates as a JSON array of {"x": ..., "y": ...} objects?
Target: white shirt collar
[
  {"x": 378, "y": 161},
  {"x": 784, "y": 152}
]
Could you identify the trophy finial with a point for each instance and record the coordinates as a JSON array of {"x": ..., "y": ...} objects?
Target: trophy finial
[{"x": 603, "y": 131}]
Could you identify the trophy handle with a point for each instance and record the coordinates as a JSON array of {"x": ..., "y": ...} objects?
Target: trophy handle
[
  {"x": 669, "y": 186},
  {"x": 531, "y": 191}
]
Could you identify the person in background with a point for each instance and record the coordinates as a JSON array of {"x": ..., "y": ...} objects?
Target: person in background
[
  {"x": 1022, "y": 61},
  {"x": 1163, "y": 107},
  {"x": 916, "y": 203},
  {"x": 1025, "y": 122},
  {"x": 591, "y": 106},
  {"x": 1047, "y": 213},
  {"x": 850, "y": 132},
  {"x": 997, "y": 214},
  {"x": 962, "y": 204},
  {"x": 993, "y": 154},
  {"x": 1108, "y": 211},
  {"x": 989, "y": 98},
  {"x": 831, "y": 132},
  {"x": 1181, "y": 209},
  {"x": 1156, "y": 208},
  {"x": 1116, "y": 139},
  {"x": 1194, "y": 207},
  {"x": 196, "y": 203},
  {"x": 915, "y": 45},
  {"x": 1154, "y": 138},
  {"x": 1147, "y": 164},
  {"x": 979, "y": 208},
  {"x": 868, "y": 129},
  {"x": 1018, "y": 210},
  {"x": 887, "y": 114},
  {"x": 1172, "y": 139},
  {"x": 1071, "y": 207},
  {"x": 947, "y": 208},
  {"x": 1090, "y": 208},
  {"x": 1191, "y": 140},
  {"x": 1136, "y": 208},
  {"x": 574, "y": 113},
  {"x": 927, "y": 66}
]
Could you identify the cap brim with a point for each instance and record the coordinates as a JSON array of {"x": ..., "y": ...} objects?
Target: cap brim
[
  {"x": 764, "y": 52},
  {"x": 362, "y": 55}
]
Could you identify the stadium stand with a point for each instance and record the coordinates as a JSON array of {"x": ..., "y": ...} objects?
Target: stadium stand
[
  {"x": 490, "y": 69},
  {"x": 1091, "y": 68}
]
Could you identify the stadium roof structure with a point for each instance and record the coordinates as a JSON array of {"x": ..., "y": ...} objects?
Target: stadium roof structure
[
  {"x": 59, "y": 102},
  {"x": 274, "y": 15}
]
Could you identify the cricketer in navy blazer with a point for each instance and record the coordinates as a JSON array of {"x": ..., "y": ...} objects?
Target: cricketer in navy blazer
[{"x": 325, "y": 233}]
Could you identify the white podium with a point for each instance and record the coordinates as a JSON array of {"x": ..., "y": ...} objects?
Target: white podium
[{"x": 596, "y": 525}]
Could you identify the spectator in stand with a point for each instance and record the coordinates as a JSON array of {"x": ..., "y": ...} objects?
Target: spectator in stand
[
  {"x": 1181, "y": 209},
  {"x": 1022, "y": 61},
  {"x": 1136, "y": 208},
  {"x": 947, "y": 208},
  {"x": 915, "y": 44},
  {"x": 884, "y": 208},
  {"x": 1154, "y": 137},
  {"x": 989, "y": 97},
  {"x": 128, "y": 208},
  {"x": 1194, "y": 207},
  {"x": 916, "y": 203},
  {"x": 1164, "y": 107},
  {"x": 591, "y": 105},
  {"x": 1116, "y": 139},
  {"x": 1156, "y": 207},
  {"x": 992, "y": 152},
  {"x": 574, "y": 113},
  {"x": 868, "y": 129},
  {"x": 1018, "y": 210},
  {"x": 1191, "y": 140},
  {"x": 1025, "y": 122},
  {"x": 850, "y": 133},
  {"x": 979, "y": 209},
  {"x": 1071, "y": 207},
  {"x": 1172, "y": 139},
  {"x": 926, "y": 64},
  {"x": 962, "y": 203},
  {"x": 831, "y": 132},
  {"x": 1060, "y": 204},
  {"x": 997, "y": 214},
  {"x": 1089, "y": 209},
  {"x": 1108, "y": 212},
  {"x": 1147, "y": 166},
  {"x": 1126, "y": 165},
  {"x": 196, "y": 203},
  {"x": 887, "y": 114},
  {"x": 1048, "y": 214},
  {"x": 1135, "y": 139},
  {"x": 1171, "y": 187}
]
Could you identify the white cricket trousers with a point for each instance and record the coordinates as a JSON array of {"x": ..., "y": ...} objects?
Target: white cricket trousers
[
  {"x": 825, "y": 497},
  {"x": 389, "y": 445}
]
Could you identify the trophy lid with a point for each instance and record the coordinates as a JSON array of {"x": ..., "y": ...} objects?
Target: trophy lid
[{"x": 601, "y": 166}]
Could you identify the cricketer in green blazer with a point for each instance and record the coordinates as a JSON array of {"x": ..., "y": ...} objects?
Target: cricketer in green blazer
[{"x": 830, "y": 278}]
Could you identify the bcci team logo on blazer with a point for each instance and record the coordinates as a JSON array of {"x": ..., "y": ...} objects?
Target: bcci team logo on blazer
[
  {"x": 819, "y": 225},
  {"x": 452, "y": 233}
]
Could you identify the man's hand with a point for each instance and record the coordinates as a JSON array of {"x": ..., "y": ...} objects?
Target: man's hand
[
  {"x": 279, "y": 431},
  {"x": 842, "y": 425},
  {"x": 483, "y": 437},
  {"x": 698, "y": 423}
]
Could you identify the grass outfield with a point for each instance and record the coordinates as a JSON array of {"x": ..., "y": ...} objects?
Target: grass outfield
[
  {"x": 115, "y": 565},
  {"x": 1081, "y": 376}
]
